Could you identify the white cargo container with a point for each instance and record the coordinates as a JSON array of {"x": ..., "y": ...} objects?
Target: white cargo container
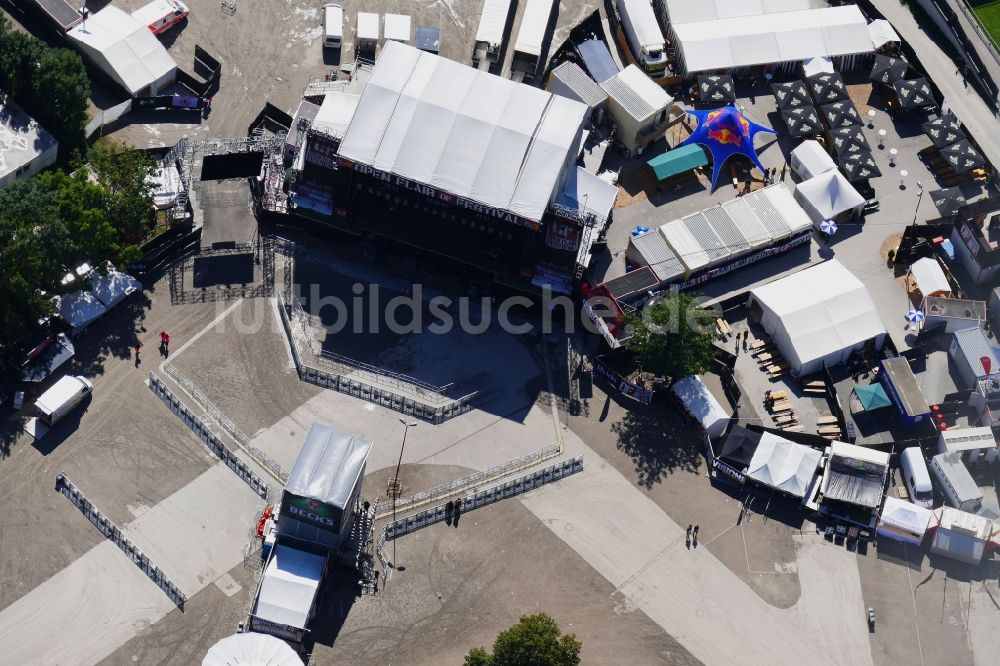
[{"x": 530, "y": 36}]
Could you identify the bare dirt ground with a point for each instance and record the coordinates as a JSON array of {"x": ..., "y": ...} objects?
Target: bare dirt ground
[{"x": 460, "y": 587}]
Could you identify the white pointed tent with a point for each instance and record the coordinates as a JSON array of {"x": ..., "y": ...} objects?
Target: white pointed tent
[
  {"x": 818, "y": 316},
  {"x": 784, "y": 465},
  {"x": 809, "y": 160},
  {"x": 251, "y": 649},
  {"x": 829, "y": 196}
]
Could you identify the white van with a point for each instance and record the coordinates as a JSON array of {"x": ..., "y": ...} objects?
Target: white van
[
  {"x": 916, "y": 477},
  {"x": 333, "y": 25},
  {"x": 56, "y": 403}
]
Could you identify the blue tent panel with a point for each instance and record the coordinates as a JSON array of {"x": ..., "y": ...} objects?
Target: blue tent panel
[{"x": 597, "y": 59}]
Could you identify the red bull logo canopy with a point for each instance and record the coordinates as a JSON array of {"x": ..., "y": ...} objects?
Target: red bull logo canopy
[{"x": 726, "y": 132}]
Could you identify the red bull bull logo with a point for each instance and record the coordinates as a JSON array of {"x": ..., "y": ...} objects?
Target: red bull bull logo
[{"x": 725, "y": 127}]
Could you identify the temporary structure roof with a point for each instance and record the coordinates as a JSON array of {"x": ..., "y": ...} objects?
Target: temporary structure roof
[
  {"x": 569, "y": 80},
  {"x": 784, "y": 465},
  {"x": 855, "y": 475},
  {"x": 685, "y": 11},
  {"x": 397, "y": 27},
  {"x": 650, "y": 249},
  {"x": 974, "y": 344},
  {"x": 113, "y": 288},
  {"x": 367, "y": 25},
  {"x": 966, "y": 439},
  {"x": 637, "y": 93},
  {"x": 678, "y": 161},
  {"x": 817, "y": 65},
  {"x": 79, "y": 308},
  {"x": 740, "y": 445},
  {"x": 644, "y": 23},
  {"x": 48, "y": 359},
  {"x": 809, "y": 159},
  {"x": 960, "y": 535},
  {"x": 588, "y": 194},
  {"x": 463, "y": 131},
  {"x": 251, "y": 649},
  {"x": 762, "y": 39},
  {"x": 493, "y": 21},
  {"x": 872, "y": 396},
  {"x": 700, "y": 403},
  {"x": 329, "y": 467},
  {"x": 882, "y": 33},
  {"x": 289, "y": 587},
  {"x": 336, "y": 112},
  {"x": 124, "y": 48},
  {"x": 828, "y": 195},
  {"x": 930, "y": 279},
  {"x": 818, "y": 315},
  {"x": 903, "y": 521},
  {"x": 597, "y": 59},
  {"x": 534, "y": 21}
]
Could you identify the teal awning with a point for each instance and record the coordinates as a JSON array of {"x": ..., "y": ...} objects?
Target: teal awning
[
  {"x": 872, "y": 397},
  {"x": 678, "y": 161}
]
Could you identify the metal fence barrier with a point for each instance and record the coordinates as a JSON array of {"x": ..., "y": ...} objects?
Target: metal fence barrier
[
  {"x": 476, "y": 478},
  {"x": 215, "y": 445},
  {"x": 486, "y": 497},
  {"x": 213, "y": 412},
  {"x": 115, "y": 534}
]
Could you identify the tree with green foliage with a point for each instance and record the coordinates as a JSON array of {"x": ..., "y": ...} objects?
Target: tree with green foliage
[
  {"x": 670, "y": 336},
  {"x": 124, "y": 174},
  {"x": 51, "y": 84},
  {"x": 534, "y": 641}
]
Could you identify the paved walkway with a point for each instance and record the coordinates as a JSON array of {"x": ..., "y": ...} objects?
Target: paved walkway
[
  {"x": 966, "y": 103},
  {"x": 102, "y": 600},
  {"x": 690, "y": 593}
]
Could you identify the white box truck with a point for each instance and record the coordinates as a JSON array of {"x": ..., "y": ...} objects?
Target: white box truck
[
  {"x": 491, "y": 33},
  {"x": 644, "y": 36},
  {"x": 56, "y": 403},
  {"x": 530, "y": 39}
]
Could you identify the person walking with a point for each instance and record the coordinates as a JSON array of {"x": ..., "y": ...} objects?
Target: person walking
[
  {"x": 694, "y": 536},
  {"x": 458, "y": 512},
  {"x": 783, "y": 167},
  {"x": 138, "y": 346},
  {"x": 449, "y": 512}
]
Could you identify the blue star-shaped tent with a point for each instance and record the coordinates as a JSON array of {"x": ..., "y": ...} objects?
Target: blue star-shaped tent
[{"x": 726, "y": 132}]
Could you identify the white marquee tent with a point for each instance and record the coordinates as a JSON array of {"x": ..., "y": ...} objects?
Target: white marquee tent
[
  {"x": 113, "y": 288},
  {"x": 251, "y": 649},
  {"x": 903, "y": 521},
  {"x": 762, "y": 39},
  {"x": 701, "y": 404},
  {"x": 126, "y": 50},
  {"x": 784, "y": 465},
  {"x": 809, "y": 159},
  {"x": 817, "y": 65},
  {"x": 289, "y": 587},
  {"x": 930, "y": 279},
  {"x": 336, "y": 112},
  {"x": 817, "y": 316},
  {"x": 79, "y": 309},
  {"x": 829, "y": 196},
  {"x": 685, "y": 11},
  {"x": 882, "y": 33},
  {"x": 469, "y": 133}
]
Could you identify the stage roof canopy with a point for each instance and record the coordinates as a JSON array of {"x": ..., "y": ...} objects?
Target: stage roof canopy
[
  {"x": 685, "y": 11},
  {"x": 743, "y": 41},
  {"x": 329, "y": 466},
  {"x": 469, "y": 133},
  {"x": 291, "y": 580}
]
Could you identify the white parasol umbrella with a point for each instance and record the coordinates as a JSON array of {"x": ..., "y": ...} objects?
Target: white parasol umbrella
[
  {"x": 915, "y": 316},
  {"x": 828, "y": 227}
]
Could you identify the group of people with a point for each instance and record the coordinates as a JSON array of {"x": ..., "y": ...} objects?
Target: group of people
[
  {"x": 452, "y": 512},
  {"x": 692, "y": 537},
  {"x": 164, "y": 347}
]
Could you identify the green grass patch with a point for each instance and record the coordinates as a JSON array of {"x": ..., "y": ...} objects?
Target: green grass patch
[{"x": 989, "y": 17}]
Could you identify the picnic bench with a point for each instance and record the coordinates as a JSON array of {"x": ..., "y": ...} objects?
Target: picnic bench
[
  {"x": 777, "y": 395},
  {"x": 757, "y": 344},
  {"x": 826, "y": 420},
  {"x": 787, "y": 419},
  {"x": 796, "y": 427},
  {"x": 724, "y": 327},
  {"x": 828, "y": 430},
  {"x": 781, "y": 406},
  {"x": 765, "y": 358}
]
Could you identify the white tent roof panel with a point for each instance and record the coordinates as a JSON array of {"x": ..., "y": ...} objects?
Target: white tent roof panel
[
  {"x": 881, "y": 33},
  {"x": 251, "y": 649},
  {"x": 685, "y": 11},
  {"x": 845, "y": 450},
  {"x": 699, "y": 401},
  {"x": 818, "y": 313},
  {"x": 79, "y": 308},
  {"x": 291, "y": 580},
  {"x": 828, "y": 195},
  {"x": 463, "y": 131},
  {"x": 817, "y": 65},
  {"x": 367, "y": 25},
  {"x": 113, "y": 288},
  {"x": 397, "y": 26},
  {"x": 336, "y": 112},
  {"x": 782, "y": 464},
  {"x": 789, "y": 211},
  {"x": 905, "y": 515},
  {"x": 125, "y": 47},
  {"x": 929, "y": 276},
  {"x": 493, "y": 21},
  {"x": 762, "y": 39},
  {"x": 812, "y": 158},
  {"x": 685, "y": 246},
  {"x": 746, "y": 221}
]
